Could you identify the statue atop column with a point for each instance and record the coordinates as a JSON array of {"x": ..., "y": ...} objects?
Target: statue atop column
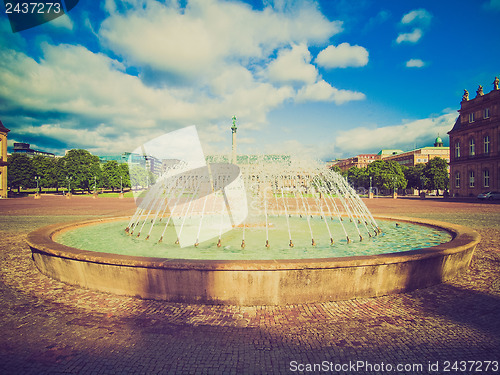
[
  {"x": 465, "y": 97},
  {"x": 495, "y": 83},
  {"x": 479, "y": 91},
  {"x": 233, "y": 128}
]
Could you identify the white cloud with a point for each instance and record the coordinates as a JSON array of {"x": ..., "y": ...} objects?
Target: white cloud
[
  {"x": 208, "y": 33},
  {"x": 418, "y": 16},
  {"x": 415, "y": 63},
  {"x": 412, "y": 37},
  {"x": 97, "y": 90},
  {"x": 62, "y": 22},
  {"x": 323, "y": 91},
  {"x": 420, "y": 19},
  {"x": 293, "y": 65},
  {"x": 213, "y": 59},
  {"x": 342, "y": 56},
  {"x": 404, "y": 136}
]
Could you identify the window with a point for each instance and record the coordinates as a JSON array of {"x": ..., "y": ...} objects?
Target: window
[
  {"x": 487, "y": 144},
  {"x": 472, "y": 147},
  {"x": 471, "y": 179},
  {"x": 486, "y": 178},
  {"x": 486, "y": 113},
  {"x": 457, "y": 149},
  {"x": 471, "y": 117},
  {"x": 457, "y": 179}
]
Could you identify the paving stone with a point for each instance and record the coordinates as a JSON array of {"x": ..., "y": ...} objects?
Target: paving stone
[{"x": 48, "y": 327}]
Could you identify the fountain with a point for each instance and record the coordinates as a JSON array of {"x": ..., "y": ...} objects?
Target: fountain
[{"x": 270, "y": 230}]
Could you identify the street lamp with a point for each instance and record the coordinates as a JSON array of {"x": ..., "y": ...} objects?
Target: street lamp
[
  {"x": 121, "y": 184},
  {"x": 37, "y": 178},
  {"x": 95, "y": 183},
  {"x": 370, "y": 191},
  {"x": 69, "y": 183}
]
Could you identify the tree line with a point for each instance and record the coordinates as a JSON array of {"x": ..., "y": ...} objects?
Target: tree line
[
  {"x": 388, "y": 175},
  {"x": 78, "y": 169}
]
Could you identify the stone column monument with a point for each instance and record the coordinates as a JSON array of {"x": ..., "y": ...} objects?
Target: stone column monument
[{"x": 233, "y": 129}]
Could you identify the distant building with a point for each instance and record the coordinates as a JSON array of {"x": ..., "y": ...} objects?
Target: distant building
[
  {"x": 24, "y": 148},
  {"x": 420, "y": 155},
  {"x": 359, "y": 161},
  {"x": 406, "y": 158},
  {"x": 144, "y": 161},
  {"x": 3, "y": 160},
  {"x": 475, "y": 144},
  {"x": 385, "y": 153},
  {"x": 123, "y": 158}
]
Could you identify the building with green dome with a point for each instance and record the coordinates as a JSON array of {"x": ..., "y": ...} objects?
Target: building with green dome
[{"x": 420, "y": 155}]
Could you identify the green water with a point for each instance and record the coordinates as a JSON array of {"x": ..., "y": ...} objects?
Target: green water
[{"x": 111, "y": 238}]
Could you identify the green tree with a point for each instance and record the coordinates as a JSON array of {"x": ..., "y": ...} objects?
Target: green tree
[
  {"x": 20, "y": 171},
  {"x": 124, "y": 174},
  {"x": 111, "y": 174},
  {"x": 82, "y": 168},
  {"x": 59, "y": 173},
  {"x": 415, "y": 176},
  {"x": 356, "y": 176},
  {"x": 44, "y": 168},
  {"x": 336, "y": 168},
  {"x": 386, "y": 175},
  {"x": 436, "y": 174},
  {"x": 138, "y": 176}
]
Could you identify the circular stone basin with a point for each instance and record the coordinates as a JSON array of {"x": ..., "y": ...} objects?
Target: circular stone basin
[{"x": 314, "y": 274}]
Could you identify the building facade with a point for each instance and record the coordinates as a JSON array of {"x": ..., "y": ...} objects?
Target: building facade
[
  {"x": 25, "y": 148},
  {"x": 3, "y": 160},
  {"x": 359, "y": 161},
  {"x": 421, "y": 155},
  {"x": 475, "y": 144},
  {"x": 148, "y": 162}
]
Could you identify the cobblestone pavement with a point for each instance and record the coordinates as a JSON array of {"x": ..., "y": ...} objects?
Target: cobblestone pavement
[{"x": 48, "y": 327}]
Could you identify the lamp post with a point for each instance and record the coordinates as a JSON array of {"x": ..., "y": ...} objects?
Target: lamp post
[
  {"x": 121, "y": 184},
  {"x": 37, "y": 194},
  {"x": 422, "y": 193},
  {"x": 69, "y": 184},
  {"x": 370, "y": 194}
]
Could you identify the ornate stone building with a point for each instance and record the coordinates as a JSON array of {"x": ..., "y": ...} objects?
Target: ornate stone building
[
  {"x": 475, "y": 144},
  {"x": 3, "y": 160}
]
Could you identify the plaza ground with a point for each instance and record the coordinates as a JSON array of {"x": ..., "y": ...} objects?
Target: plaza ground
[{"x": 47, "y": 327}]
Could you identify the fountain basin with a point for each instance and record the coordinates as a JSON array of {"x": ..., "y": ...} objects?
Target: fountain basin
[{"x": 254, "y": 282}]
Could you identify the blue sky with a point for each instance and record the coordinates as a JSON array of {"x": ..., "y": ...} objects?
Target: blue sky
[{"x": 323, "y": 79}]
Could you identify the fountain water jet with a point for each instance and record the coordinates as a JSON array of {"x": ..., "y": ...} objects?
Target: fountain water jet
[{"x": 290, "y": 188}]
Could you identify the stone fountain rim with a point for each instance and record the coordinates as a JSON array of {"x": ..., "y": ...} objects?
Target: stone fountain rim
[{"x": 42, "y": 241}]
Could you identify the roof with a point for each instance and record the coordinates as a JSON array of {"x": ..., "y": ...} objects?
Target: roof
[
  {"x": 3, "y": 129},
  {"x": 457, "y": 125},
  {"x": 390, "y": 152}
]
